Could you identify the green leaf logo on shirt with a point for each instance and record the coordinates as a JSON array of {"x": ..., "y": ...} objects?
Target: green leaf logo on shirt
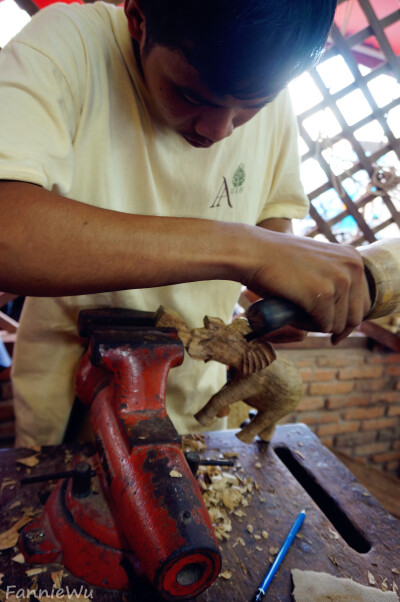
[{"x": 238, "y": 179}]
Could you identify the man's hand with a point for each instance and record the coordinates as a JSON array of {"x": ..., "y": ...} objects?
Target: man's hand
[
  {"x": 290, "y": 333},
  {"x": 327, "y": 280}
]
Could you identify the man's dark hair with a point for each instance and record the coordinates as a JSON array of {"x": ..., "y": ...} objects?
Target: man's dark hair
[{"x": 242, "y": 48}]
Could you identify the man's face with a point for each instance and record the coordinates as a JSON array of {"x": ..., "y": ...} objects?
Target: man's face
[{"x": 186, "y": 105}]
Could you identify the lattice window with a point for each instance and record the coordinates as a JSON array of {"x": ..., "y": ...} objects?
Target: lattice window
[{"x": 350, "y": 127}]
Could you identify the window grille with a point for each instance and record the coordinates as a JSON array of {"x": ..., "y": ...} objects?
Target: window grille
[{"x": 353, "y": 160}]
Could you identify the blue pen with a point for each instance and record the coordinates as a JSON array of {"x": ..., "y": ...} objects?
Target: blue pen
[{"x": 280, "y": 556}]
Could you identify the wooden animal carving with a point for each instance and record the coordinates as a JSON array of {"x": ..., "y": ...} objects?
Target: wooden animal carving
[
  {"x": 225, "y": 343},
  {"x": 274, "y": 391},
  {"x": 271, "y": 385}
]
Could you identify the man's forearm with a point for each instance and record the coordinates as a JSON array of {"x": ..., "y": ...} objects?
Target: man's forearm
[
  {"x": 276, "y": 224},
  {"x": 53, "y": 246},
  {"x": 50, "y": 245}
]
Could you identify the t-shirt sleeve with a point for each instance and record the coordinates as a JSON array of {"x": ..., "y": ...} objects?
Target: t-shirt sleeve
[
  {"x": 38, "y": 108},
  {"x": 286, "y": 196}
]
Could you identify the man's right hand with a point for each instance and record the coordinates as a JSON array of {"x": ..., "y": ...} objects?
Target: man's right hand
[{"x": 327, "y": 280}]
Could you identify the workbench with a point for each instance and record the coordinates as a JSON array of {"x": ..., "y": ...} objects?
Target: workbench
[{"x": 346, "y": 533}]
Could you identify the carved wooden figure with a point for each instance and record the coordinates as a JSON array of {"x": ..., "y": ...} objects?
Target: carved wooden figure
[{"x": 264, "y": 381}]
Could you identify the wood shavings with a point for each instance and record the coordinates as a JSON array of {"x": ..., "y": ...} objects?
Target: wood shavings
[
  {"x": 249, "y": 528},
  {"x": 273, "y": 551},
  {"x": 395, "y": 589},
  {"x": 257, "y": 536},
  {"x": 222, "y": 529},
  {"x": 56, "y": 577},
  {"x": 35, "y": 571},
  {"x": 19, "y": 558},
  {"x": 34, "y": 583},
  {"x": 193, "y": 442},
  {"x": 258, "y": 465},
  {"x": 259, "y": 549},
  {"x": 333, "y": 560},
  {"x": 230, "y": 455},
  {"x": 395, "y": 571},
  {"x": 333, "y": 534},
  {"x": 15, "y": 504},
  {"x": 230, "y": 499},
  {"x": 243, "y": 567},
  {"x": 8, "y": 482},
  {"x": 240, "y": 541},
  {"x": 226, "y": 575},
  {"x": 175, "y": 474},
  {"x": 9, "y": 538},
  {"x": 216, "y": 513},
  {"x": 29, "y": 510},
  {"x": 296, "y": 451},
  {"x": 384, "y": 585},
  {"x": 371, "y": 578},
  {"x": 221, "y": 481},
  {"x": 264, "y": 534},
  {"x": 30, "y": 462},
  {"x": 224, "y": 493}
]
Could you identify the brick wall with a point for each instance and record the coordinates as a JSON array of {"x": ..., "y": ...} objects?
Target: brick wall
[{"x": 351, "y": 397}]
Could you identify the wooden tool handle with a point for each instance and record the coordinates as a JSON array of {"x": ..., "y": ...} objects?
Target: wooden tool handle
[
  {"x": 382, "y": 268},
  {"x": 267, "y": 315}
]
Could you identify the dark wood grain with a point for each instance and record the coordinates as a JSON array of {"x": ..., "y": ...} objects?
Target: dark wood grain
[
  {"x": 274, "y": 507},
  {"x": 383, "y": 486}
]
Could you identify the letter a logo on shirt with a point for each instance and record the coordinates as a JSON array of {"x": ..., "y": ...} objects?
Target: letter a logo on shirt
[
  {"x": 223, "y": 193},
  {"x": 237, "y": 187}
]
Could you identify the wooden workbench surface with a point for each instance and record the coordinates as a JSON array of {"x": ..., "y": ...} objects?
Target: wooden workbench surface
[{"x": 346, "y": 532}]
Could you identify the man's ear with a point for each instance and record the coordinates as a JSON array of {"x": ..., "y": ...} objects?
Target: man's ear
[{"x": 136, "y": 21}]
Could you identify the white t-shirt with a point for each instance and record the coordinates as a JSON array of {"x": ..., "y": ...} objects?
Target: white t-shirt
[{"x": 76, "y": 118}]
